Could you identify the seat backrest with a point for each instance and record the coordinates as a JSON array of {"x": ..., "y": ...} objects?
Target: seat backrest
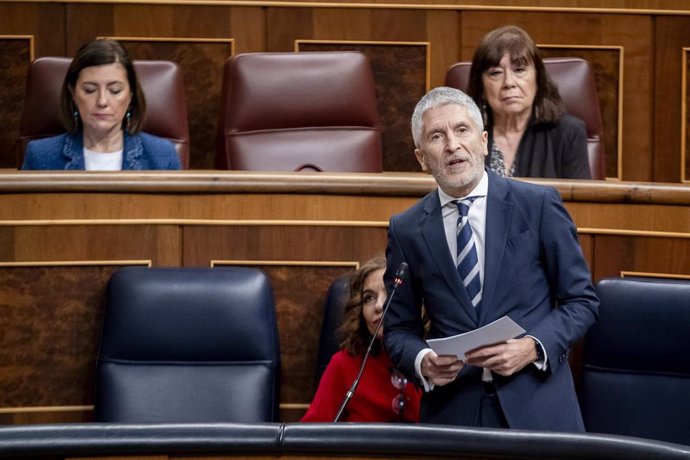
[
  {"x": 636, "y": 371},
  {"x": 299, "y": 111},
  {"x": 188, "y": 345},
  {"x": 575, "y": 80},
  {"x": 336, "y": 299},
  {"x": 161, "y": 82}
]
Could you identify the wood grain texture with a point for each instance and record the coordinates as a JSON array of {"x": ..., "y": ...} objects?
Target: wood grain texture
[
  {"x": 606, "y": 66},
  {"x": 51, "y": 320},
  {"x": 302, "y": 240},
  {"x": 19, "y": 22},
  {"x": 647, "y": 143},
  {"x": 670, "y": 35},
  {"x": 399, "y": 75},
  {"x": 15, "y": 54},
  {"x": 616, "y": 254},
  {"x": 202, "y": 70},
  {"x": 159, "y": 244}
]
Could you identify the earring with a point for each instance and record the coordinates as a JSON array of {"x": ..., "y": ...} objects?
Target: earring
[
  {"x": 128, "y": 116},
  {"x": 75, "y": 117}
]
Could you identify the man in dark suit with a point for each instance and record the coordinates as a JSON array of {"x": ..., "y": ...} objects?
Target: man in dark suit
[{"x": 524, "y": 262}]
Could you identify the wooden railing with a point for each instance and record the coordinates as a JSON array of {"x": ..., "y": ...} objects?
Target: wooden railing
[{"x": 63, "y": 234}]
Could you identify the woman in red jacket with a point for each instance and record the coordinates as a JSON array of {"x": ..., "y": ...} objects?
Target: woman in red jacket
[{"x": 383, "y": 393}]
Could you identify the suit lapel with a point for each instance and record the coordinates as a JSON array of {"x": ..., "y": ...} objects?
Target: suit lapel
[
  {"x": 434, "y": 235},
  {"x": 499, "y": 209}
]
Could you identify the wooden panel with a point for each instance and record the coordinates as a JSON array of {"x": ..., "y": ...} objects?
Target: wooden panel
[
  {"x": 670, "y": 36},
  {"x": 159, "y": 244},
  {"x": 615, "y": 218},
  {"x": 44, "y": 21},
  {"x": 606, "y": 65},
  {"x": 297, "y": 242},
  {"x": 51, "y": 320},
  {"x": 647, "y": 254},
  {"x": 400, "y": 77},
  {"x": 26, "y": 31},
  {"x": 217, "y": 206},
  {"x": 16, "y": 54},
  {"x": 202, "y": 71},
  {"x": 84, "y": 22},
  {"x": 302, "y": 240}
]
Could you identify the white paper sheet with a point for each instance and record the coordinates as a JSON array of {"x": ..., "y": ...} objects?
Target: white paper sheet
[{"x": 496, "y": 332}]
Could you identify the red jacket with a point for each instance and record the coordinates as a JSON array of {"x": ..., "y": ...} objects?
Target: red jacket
[{"x": 373, "y": 398}]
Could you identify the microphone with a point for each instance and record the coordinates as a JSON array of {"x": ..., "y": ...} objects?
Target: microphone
[{"x": 399, "y": 279}]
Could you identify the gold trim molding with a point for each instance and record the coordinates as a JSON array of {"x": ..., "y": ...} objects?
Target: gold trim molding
[
  {"x": 684, "y": 115},
  {"x": 233, "y": 222},
  {"x": 297, "y": 223},
  {"x": 228, "y": 40},
  {"x": 294, "y": 406},
  {"x": 655, "y": 275},
  {"x": 411, "y": 6},
  {"x": 41, "y": 409},
  {"x": 290, "y": 263},
  {"x": 32, "y": 41},
  {"x": 76, "y": 263},
  {"x": 620, "y": 232}
]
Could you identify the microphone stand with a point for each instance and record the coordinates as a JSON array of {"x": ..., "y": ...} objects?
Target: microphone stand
[{"x": 398, "y": 281}]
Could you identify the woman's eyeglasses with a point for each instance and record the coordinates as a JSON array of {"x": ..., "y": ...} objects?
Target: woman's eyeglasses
[{"x": 400, "y": 382}]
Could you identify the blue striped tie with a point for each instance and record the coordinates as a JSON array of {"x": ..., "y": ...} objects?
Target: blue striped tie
[{"x": 468, "y": 262}]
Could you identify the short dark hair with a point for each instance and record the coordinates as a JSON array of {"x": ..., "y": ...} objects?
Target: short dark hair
[
  {"x": 94, "y": 53},
  {"x": 353, "y": 333},
  {"x": 548, "y": 105}
]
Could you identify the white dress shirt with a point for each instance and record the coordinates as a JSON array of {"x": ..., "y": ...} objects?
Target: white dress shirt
[{"x": 477, "y": 220}]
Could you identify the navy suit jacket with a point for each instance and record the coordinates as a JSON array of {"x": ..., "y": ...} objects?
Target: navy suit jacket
[
  {"x": 66, "y": 151},
  {"x": 534, "y": 272}
]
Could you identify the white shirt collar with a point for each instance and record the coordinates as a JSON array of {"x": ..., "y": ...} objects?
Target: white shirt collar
[{"x": 482, "y": 189}]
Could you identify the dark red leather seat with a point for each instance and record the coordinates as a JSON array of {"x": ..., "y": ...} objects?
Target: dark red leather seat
[
  {"x": 299, "y": 111},
  {"x": 161, "y": 81},
  {"x": 575, "y": 81}
]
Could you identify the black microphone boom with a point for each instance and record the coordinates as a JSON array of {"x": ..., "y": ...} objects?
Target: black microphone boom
[{"x": 399, "y": 279}]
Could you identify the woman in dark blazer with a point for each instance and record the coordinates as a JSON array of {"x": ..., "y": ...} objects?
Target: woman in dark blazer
[{"x": 530, "y": 135}]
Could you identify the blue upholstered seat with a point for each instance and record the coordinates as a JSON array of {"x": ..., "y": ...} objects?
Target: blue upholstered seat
[
  {"x": 636, "y": 377},
  {"x": 333, "y": 310},
  {"x": 188, "y": 345}
]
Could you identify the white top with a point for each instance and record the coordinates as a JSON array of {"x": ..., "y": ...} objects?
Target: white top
[{"x": 99, "y": 161}]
